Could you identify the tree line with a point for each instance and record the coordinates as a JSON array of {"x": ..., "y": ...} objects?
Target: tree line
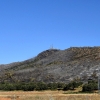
[{"x": 39, "y": 86}]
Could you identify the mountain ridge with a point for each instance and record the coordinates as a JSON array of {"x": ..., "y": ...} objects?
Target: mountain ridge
[{"x": 55, "y": 65}]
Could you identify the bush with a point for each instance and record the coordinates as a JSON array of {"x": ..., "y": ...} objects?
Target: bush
[
  {"x": 52, "y": 86},
  {"x": 89, "y": 87},
  {"x": 41, "y": 86},
  {"x": 72, "y": 85},
  {"x": 66, "y": 88},
  {"x": 8, "y": 87}
]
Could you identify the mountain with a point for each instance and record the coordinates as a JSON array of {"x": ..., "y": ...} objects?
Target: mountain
[{"x": 55, "y": 65}]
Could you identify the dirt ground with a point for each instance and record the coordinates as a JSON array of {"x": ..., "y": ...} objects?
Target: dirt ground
[{"x": 46, "y": 95}]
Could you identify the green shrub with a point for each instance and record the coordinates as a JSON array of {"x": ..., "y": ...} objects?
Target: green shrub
[{"x": 90, "y": 87}]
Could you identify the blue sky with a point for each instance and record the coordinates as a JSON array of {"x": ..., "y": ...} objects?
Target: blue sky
[{"x": 28, "y": 27}]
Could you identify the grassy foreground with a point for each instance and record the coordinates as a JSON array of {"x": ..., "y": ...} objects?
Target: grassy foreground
[{"x": 46, "y": 95}]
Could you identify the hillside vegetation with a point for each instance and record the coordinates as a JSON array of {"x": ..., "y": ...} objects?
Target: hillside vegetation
[{"x": 75, "y": 63}]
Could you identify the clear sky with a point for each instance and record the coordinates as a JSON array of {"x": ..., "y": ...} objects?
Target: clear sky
[{"x": 28, "y": 27}]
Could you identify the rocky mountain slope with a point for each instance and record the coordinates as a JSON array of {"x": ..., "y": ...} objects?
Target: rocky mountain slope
[{"x": 55, "y": 66}]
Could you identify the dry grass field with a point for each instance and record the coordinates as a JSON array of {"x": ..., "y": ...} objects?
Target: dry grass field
[{"x": 46, "y": 95}]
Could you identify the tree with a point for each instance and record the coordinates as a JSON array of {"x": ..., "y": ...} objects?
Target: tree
[{"x": 89, "y": 87}]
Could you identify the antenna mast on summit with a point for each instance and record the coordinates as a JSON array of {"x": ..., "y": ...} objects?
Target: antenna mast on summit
[{"x": 51, "y": 47}]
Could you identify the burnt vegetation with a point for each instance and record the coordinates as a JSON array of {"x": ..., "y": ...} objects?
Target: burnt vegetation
[{"x": 54, "y": 66}]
